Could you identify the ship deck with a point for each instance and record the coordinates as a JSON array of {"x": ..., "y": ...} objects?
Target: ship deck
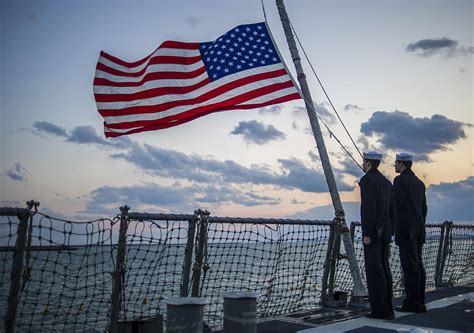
[{"x": 449, "y": 310}]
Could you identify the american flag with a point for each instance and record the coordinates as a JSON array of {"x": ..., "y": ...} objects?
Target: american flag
[{"x": 182, "y": 81}]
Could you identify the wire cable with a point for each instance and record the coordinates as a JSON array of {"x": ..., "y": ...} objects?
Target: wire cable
[{"x": 324, "y": 90}]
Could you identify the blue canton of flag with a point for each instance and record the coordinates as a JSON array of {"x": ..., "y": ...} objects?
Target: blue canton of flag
[{"x": 244, "y": 47}]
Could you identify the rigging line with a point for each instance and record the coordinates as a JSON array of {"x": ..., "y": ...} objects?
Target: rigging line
[
  {"x": 324, "y": 90},
  {"x": 264, "y": 13},
  {"x": 331, "y": 133},
  {"x": 311, "y": 105}
]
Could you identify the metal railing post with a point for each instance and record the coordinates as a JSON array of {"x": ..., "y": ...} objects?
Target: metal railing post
[
  {"x": 327, "y": 266},
  {"x": 446, "y": 250},
  {"x": 201, "y": 242},
  {"x": 352, "y": 231},
  {"x": 17, "y": 268},
  {"x": 188, "y": 257},
  {"x": 438, "y": 271},
  {"x": 119, "y": 272},
  {"x": 335, "y": 254}
]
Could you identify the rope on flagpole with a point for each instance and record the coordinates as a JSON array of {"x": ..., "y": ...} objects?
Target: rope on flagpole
[
  {"x": 324, "y": 90},
  {"x": 263, "y": 9}
]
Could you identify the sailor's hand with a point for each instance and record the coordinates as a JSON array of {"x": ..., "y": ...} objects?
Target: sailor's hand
[{"x": 366, "y": 240}]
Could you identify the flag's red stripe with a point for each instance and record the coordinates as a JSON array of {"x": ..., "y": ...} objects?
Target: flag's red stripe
[
  {"x": 151, "y": 77},
  {"x": 150, "y": 93},
  {"x": 191, "y": 116},
  {"x": 215, "y": 106},
  {"x": 197, "y": 100},
  {"x": 173, "y": 60},
  {"x": 167, "y": 44}
]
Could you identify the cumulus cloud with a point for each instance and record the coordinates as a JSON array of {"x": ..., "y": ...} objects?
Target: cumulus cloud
[
  {"x": 432, "y": 46},
  {"x": 451, "y": 201},
  {"x": 350, "y": 167},
  {"x": 352, "y": 108},
  {"x": 321, "y": 111},
  {"x": 314, "y": 157},
  {"x": 446, "y": 202},
  {"x": 50, "y": 128},
  {"x": 79, "y": 134},
  {"x": 352, "y": 210},
  {"x": 297, "y": 175},
  {"x": 212, "y": 182},
  {"x": 107, "y": 199},
  {"x": 86, "y": 134},
  {"x": 225, "y": 194},
  {"x": 177, "y": 165},
  {"x": 17, "y": 173},
  {"x": 257, "y": 132},
  {"x": 400, "y": 131},
  {"x": 273, "y": 109}
]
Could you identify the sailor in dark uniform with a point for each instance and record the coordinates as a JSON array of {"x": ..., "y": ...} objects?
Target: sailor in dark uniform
[
  {"x": 376, "y": 209},
  {"x": 411, "y": 209}
]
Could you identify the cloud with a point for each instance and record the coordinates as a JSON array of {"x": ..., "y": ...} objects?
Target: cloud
[
  {"x": 451, "y": 201},
  {"x": 321, "y": 111},
  {"x": 107, "y": 199},
  {"x": 50, "y": 128},
  {"x": 17, "y": 173},
  {"x": 177, "y": 165},
  {"x": 257, "y": 132},
  {"x": 400, "y": 131},
  {"x": 350, "y": 167},
  {"x": 11, "y": 203},
  {"x": 314, "y": 157},
  {"x": 352, "y": 107},
  {"x": 352, "y": 210},
  {"x": 306, "y": 179},
  {"x": 432, "y": 46},
  {"x": 225, "y": 194},
  {"x": 86, "y": 134},
  {"x": 273, "y": 109},
  {"x": 295, "y": 201},
  {"x": 446, "y": 201},
  {"x": 193, "y": 21},
  {"x": 80, "y": 134},
  {"x": 214, "y": 183}
]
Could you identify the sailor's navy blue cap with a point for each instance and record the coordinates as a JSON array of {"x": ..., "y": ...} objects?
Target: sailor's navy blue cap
[
  {"x": 372, "y": 155},
  {"x": 404, "y": 157}
]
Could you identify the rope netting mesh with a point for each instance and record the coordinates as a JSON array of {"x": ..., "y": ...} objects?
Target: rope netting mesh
[
  {"x": 153, "y": 266},
  {"x": 461, "y": 249},
  {"x": 8, "y": 233},
  {"x": 459, "y": 264},
  {"x": 66, "y": 283},
  {"x": 282, "y": 263}
]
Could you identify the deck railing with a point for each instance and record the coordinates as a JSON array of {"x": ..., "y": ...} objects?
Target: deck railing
[{"x": 61, "y": 275}]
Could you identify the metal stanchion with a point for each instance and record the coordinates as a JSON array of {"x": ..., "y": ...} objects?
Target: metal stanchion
[
  {"x": 185, "y": 315},
  {"x": 240, "y": 312}
]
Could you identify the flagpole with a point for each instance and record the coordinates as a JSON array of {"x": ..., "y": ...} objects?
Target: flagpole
[{"x": 359, "y": 288}]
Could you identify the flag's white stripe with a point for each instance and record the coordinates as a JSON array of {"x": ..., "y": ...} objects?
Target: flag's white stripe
[
  {"x": 149, "y": 85},
  {"x": 262, "y": 99},
  {"x": 273, "y": 95},
  {"x": 119, "y": 130},
  {"x": 159, "y": 52},
  {"x": 198, "y": 92},
  {"x": 150, "y": 69},
  {"x": 179, "y": 109}
]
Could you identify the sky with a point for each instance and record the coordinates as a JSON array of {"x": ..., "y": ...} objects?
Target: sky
[{"x": 399, "y": 73}]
